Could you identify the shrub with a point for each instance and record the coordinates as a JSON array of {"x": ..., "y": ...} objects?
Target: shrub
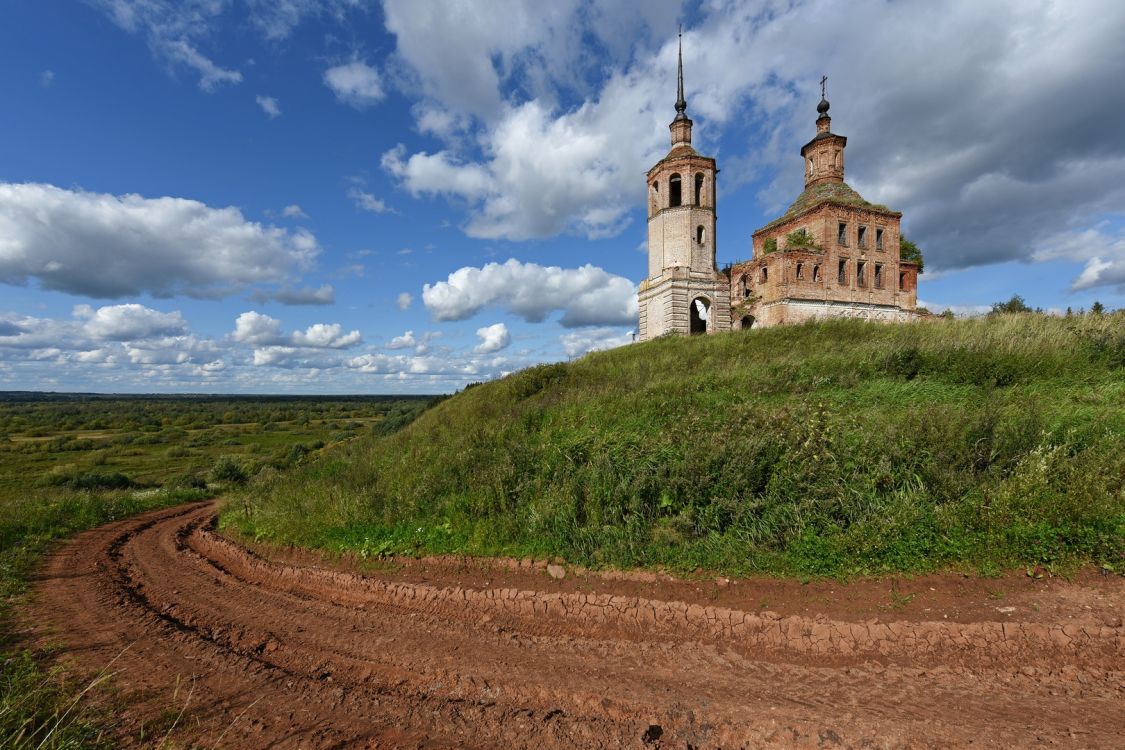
[{"x": 228, "y": 469}]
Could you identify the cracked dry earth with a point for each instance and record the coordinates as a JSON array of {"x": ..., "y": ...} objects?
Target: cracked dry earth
[{"x": 291, "y": 652}]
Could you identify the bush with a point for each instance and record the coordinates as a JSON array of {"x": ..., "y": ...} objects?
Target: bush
[{"x": 227, "y": 469}]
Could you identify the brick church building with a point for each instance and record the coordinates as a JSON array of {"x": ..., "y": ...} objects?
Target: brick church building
[{"x": 831, "y": 254}]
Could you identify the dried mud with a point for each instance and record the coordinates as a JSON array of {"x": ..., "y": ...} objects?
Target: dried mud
[{"x": 292, "y": 653}]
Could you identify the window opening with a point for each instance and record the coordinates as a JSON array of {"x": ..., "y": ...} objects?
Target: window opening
[
  {"x": 842, "y": 234},
  {"x": 878, "y": 276},
  {"x": 860, "y": 267},
  {"x": 700, "y": 235},
  {"x": 902, "y": 282},
  {"x": 862, "y": 239},
  {"x": 816, "y": 272},
  {"x": 700, "y": 309},
  {"x": 878, "y": 239},
  {"x": 698, "y": 188},
  {"x": 842, "y": 273},
  {"x": 674, "y": 197},
  {"x": 747, "y": 322},
  {"x": 800, "y": 270},
  {"x": 765, "y": 274}
]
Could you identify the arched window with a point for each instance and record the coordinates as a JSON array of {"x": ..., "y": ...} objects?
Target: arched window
[
  {"x": 700, "y": 311},
  {"x": 747, "y": 322},
  {"x": 699, "y": 188},
  {"x": 674, "y": 192},
  {"x": 700, "y": 234},
  {"x": 810, "y": 166}
]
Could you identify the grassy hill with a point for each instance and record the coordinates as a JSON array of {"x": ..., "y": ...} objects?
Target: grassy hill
[{"x": 831, "y": 448}]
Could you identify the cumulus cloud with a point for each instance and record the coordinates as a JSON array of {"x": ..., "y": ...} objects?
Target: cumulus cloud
[
  {"x": 324, "y": 294},
  {"x": 586, "y": 296},
  {"x": 404, "y": 300},
  {"x": 261, "y": 330},
  {"x": 294, "y": 212},
  {"x": 108, "y": 246},
  {"x": 405, "y": 341},
  {"x": 269, "y": 105},
  {"x": 367, "y": 202},
  {"x": 130, "y": 322},
  {"x": 493, "y": 338},
  {"x": 356, "y": 84},
  {"x": 1101, "y": 252},
  {"x": 326, "y": 336},
  {"x": 577, "y": 343},
  {"x": 253, "y": 327}
]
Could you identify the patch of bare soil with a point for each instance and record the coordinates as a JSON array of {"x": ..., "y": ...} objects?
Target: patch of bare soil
[{"x": 285, "y": 651}]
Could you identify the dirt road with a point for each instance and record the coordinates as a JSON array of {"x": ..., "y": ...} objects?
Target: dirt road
[{"x": 290, "y": 653}]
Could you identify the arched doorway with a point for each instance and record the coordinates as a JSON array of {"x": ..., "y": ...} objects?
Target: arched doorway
[
  {"x": 700, "y": 311},
  {"x": 747, "y": 322}
]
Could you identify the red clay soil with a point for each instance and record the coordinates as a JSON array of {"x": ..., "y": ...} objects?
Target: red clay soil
[{"x": 289, "y": 652}]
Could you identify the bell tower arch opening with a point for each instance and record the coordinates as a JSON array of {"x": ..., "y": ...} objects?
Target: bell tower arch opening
[
  {"x": 700, "y": 313},
  {"x": 675, "y": 191}
]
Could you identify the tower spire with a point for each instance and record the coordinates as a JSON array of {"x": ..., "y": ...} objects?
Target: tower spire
[{"x": 681, "y": 103}]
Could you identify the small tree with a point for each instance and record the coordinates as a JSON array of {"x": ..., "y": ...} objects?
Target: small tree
[
  {"x": 1014, "y": 305},
  {"x": 910, "y": 252},
  {"x": 1097, "y": 308}
]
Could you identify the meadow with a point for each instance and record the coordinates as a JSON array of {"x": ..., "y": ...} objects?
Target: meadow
[
  {"x": 836, "y": 448},
  {"x": 70, "y": 462}
]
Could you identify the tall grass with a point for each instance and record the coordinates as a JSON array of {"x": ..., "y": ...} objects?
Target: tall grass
[{"x": 831, "y": 448}]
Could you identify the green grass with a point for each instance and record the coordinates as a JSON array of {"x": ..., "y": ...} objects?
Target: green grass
[{"x": 833, "y": 448}]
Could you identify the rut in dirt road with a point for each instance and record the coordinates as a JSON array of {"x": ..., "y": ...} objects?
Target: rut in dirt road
[{"x": 290, "y": 655}]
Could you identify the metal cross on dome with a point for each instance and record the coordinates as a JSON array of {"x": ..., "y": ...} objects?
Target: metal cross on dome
[{"x": 823, "y": 86}]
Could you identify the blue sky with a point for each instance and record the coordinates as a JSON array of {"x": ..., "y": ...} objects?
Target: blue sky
[{"x": 356, "y": 196}]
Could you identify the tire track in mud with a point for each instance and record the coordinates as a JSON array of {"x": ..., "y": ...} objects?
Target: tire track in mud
[{"x": 287, "y": 655}]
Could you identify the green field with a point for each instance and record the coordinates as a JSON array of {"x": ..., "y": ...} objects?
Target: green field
[
  {"x": 832, "y": 448},
  {"x": 70, "y": 462}
]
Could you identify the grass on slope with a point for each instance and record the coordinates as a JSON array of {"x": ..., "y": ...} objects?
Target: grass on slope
[{"x": 831, "y": 448}]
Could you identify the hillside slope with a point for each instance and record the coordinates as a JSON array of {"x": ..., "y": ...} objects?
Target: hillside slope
[{"x": 827, "y": 448}]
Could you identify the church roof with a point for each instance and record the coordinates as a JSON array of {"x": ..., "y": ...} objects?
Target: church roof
[{"x": 836, "y": 193}]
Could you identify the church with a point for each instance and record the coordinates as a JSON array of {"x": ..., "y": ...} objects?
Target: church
[{"x": 831, "y": 254}]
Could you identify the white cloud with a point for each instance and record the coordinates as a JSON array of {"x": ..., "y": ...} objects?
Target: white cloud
[
  {"x": 269, "y": 105},
  {"x": 404, "y": 300},
  {"x": 261, "y": 330},
  {"x": 368, "y": 202},
  {"x": 253, "y": 327},
  {"x": 108, "y": 246},
  {"x": 493, "y": 338},
  {"x": 132, "y": 321},
  {"x": 405, "y": 341},
  {"x": 1101, "y": 253},
  {"x": 577, "y": 343},
  {"x": 326, "y": 336},
  {"x": 294, "y": 212},
  {"x": 355, "y": 83},
  {"x": 586, "y": 296}
]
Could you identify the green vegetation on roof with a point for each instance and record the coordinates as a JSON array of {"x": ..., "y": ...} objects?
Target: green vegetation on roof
[
  {"x": 838, "y": 193},
  {"x": 828, "y": 448},
  {"x": 910, "y": 252}
]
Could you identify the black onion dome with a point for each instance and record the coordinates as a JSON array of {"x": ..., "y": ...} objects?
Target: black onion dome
[{"x": 822, "y": 108}]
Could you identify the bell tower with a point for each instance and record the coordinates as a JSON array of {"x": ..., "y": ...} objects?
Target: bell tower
[
  {"x": 683, "y": 292},
  {"x": 824, "y": 154}
]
